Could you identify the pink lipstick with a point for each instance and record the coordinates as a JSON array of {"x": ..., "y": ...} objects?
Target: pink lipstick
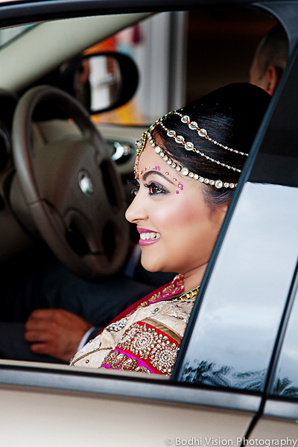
[{"x": 147, "y": 237}]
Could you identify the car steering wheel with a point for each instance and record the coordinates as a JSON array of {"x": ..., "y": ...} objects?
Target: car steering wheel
[{"x": 72, "y": 188}]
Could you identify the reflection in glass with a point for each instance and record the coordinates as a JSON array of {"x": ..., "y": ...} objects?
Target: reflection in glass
[
  {"x": 286, "y": 380},
  {"x": 235, "y": 331}
]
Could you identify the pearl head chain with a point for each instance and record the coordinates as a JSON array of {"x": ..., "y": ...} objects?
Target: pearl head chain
[{"x": 188, "y": 146}]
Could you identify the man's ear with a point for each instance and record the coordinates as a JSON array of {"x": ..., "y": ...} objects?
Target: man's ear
[{"x": 271, "y": 79}]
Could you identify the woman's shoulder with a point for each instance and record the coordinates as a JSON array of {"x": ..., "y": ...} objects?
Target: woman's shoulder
[
  {"x": 150, "y": 341},
  {"x": 169, "y": 314}
]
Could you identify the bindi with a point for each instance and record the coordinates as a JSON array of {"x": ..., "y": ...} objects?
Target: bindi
[{"x": 180, "y": 186}]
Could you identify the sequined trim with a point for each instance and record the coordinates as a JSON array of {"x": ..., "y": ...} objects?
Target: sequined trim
[
  {"x": 72, "y": 362},
  {"x": 175, "y": 288},
  {"x": 148, "y": 344},
  {"x": 118, "y": 325},
  {"x": 163, "y": 328},
  {"x": 124, "y": 362}
]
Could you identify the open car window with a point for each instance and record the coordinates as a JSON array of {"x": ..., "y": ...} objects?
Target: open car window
[{"x": 181, "y": 78}]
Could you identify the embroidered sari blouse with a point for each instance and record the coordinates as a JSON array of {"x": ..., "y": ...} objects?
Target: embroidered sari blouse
[{"x": 145, "y": 339}]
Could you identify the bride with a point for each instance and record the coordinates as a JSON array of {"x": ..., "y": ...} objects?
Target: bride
[{"x": 187, "y": 167}]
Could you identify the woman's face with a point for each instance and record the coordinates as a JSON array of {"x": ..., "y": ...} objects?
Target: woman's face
[{"x": 177, "y": 229}]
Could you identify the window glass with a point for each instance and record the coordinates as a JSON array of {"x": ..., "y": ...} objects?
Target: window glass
[
  {"x": 236, "y": 328},
  {"x": 286, "y": 380}
]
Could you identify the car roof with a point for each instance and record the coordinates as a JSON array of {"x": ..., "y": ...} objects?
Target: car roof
[{"x": 17, "y": 12}]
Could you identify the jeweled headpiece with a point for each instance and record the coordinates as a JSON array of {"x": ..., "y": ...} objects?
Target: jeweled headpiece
[{"x": 188, "y": 146}]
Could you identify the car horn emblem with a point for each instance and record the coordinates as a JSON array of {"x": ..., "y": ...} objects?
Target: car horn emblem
[{"x": 85, "y": 183}]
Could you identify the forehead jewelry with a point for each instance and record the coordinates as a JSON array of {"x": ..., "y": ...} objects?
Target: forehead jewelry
[
  {"x": 157, "y": 168},
  {"x": 201, "y": 132},
  {"x": 183, "y": 170},
  {"x": 189, "y": 146}
]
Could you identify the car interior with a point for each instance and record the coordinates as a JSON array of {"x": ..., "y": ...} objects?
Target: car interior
[{"x": 50, "y": 111}]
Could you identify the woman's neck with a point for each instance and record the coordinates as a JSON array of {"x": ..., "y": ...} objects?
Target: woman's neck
[{"x": 194, "y": 278}]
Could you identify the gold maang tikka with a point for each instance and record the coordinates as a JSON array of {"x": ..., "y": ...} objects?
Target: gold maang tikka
[{"x": 188, "y": 146}]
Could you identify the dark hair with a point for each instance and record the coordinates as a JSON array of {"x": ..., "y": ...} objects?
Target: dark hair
[
  {"x": 231, "y": 115},
  {"x": 272, "y": 50}
]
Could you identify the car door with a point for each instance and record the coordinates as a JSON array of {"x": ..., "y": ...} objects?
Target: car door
[{"x": 280, "y": 414}]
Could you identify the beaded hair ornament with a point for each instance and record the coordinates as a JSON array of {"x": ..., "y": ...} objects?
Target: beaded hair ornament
[{"x": 188, "y": 146}]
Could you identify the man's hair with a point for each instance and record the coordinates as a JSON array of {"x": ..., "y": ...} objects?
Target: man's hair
[{"x": 272, "y": 50}]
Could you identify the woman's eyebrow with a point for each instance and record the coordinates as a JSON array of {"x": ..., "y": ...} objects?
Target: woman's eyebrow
[{"x": 153, "y": 171}]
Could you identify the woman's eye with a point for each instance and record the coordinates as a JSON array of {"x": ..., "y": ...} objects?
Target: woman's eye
[
  {"x": 155, "y": 188},
  {"x": 136, "y": 185}
]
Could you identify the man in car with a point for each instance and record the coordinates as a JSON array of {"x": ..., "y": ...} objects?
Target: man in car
[
  {"x": 270, "y": 60},
  {"x": 47, "y": 311}
]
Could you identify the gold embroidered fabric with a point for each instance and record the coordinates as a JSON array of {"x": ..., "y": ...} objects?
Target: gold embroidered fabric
[
  {"x": 116, "y": 360},
  {"x": 152, "y": 345},
  {"x": 125, "y": 344},
  {"x": 168, "y": 292},
  {"x": 163, "y": 328}
]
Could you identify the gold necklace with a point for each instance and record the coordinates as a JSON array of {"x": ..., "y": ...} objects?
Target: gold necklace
[{"x": 188, "y": 295}]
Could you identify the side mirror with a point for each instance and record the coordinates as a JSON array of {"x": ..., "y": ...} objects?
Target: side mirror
[{"x": 102, "y": 81}]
